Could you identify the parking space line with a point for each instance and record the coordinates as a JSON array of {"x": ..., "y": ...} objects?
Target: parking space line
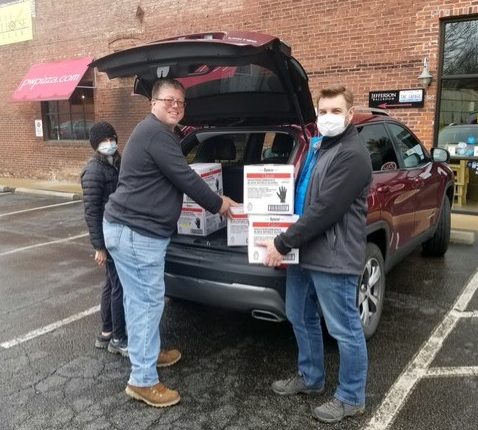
[
  {"x": 47, "y": 329},
  {"x": 37, "y": 245},
  {"x": 418, "y": 366},
  {"x": 470, "y": 314},
  {"x": 452, "y": 371},
  {"x": 40, "y": 208}
]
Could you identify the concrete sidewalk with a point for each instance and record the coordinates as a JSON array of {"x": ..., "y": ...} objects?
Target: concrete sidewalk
[{"x": 68, "y": 190}]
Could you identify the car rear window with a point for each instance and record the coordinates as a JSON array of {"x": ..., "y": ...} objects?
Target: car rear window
[
  {"x": 239, "y": 148},
  {"x": 252, "y": 78}
]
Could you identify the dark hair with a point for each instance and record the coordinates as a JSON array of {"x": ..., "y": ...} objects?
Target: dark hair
[
  {"x": 160, "y": 83},
  {"x": 100, "y": 131},
  {"x": 337, "y": 90}
]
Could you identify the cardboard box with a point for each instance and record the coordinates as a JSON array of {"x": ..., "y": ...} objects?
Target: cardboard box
[
  {"x": 196, "y": 221},
  {"x": 237, "y": 227},
  {"x": 211, "y": 173},
  {"x": 266, "y": 227},
  {"x": 269, "y": 189}
]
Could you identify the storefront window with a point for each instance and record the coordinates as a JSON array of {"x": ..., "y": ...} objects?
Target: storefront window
[
  {"x": 458, "y": 108},
  {"x": 70, "y": 119}
]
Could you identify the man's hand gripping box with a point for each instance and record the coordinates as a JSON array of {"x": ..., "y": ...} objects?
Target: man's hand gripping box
[{"x": 263, "y": 228}]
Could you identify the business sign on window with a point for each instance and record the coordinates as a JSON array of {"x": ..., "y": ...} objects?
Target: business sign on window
[
  {"x": 396, "y": 98},
  {"x": 15, "y": 23}
]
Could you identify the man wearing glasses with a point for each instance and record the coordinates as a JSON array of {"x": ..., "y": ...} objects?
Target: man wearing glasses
[{"x": 140, "y": 217}]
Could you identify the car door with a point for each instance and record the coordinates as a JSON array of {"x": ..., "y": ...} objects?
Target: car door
[
  {"x": 420, "y": 173},
  {"x": 391, "y": 186}
]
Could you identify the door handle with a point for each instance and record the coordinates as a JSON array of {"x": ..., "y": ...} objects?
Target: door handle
[{"x": 383, "y": 189}]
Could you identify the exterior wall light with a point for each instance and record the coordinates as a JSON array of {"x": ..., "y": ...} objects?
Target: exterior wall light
[{"x": 425, "y": 77}]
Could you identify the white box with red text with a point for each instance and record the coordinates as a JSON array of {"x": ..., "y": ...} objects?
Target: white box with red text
[
  {"x": 197, "y": 221},
  {"x": 263, "y": 228},
  {"x": 211, "y": 173},
  {"x": 269, "y": 189},
  {"x": 237, "y": 227}
]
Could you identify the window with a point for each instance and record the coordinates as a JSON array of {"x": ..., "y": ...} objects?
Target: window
[
  {"x": 410, "y": 149},
  {"x": 70, "y": 119},
  {"x": 380, "y": 146},
  {"x": 459, "y": 79}
]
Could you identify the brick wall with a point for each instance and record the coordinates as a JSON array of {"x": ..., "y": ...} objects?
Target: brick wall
[{"x": 367, "y": 45}]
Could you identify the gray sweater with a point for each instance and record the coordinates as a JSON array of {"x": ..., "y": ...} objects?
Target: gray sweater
[
  {"x": 331, "y": 234},
  {"x": 153, "y": 177}
]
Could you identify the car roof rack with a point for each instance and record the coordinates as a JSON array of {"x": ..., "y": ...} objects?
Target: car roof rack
[{"x": 376, "y": 111}]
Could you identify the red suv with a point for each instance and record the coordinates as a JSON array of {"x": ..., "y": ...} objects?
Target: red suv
[{"x": 248, "y": 102}]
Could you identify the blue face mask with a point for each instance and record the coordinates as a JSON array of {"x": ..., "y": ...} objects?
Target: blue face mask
[{"x": 108, "y": 147}]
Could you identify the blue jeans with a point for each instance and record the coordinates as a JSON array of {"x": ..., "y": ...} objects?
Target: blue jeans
[
  {"x": 337, "y": 296},
  {"x": 140, "y": 264}
]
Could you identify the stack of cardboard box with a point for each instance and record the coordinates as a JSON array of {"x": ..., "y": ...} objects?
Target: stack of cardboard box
[
  {"x": 266, "y": 212},
  {"x": 269, "y": 204}
]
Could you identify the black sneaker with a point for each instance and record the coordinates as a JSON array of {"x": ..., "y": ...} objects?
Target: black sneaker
[
  {"x": 102, "y": 341},
  {"x": 118, "y": 346}
]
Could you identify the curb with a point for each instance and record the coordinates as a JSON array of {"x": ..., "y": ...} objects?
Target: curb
[
  {"x": 463, "y": 237},
  {"x": 4, "y": 189},
  {"x": 65, "y": 195}
]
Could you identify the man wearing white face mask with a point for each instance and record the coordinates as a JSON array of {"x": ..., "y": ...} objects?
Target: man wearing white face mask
[
  {"x": 331, "y": 200},
  {"x": 99, "y": 179}
]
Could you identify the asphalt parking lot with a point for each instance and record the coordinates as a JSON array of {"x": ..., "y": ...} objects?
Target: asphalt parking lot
[{"x": 423, "y": 371}]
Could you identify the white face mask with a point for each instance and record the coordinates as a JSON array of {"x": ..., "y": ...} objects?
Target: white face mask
[
  {"x": 108, "y": 147},
  {"x": 331, "y": 124}
]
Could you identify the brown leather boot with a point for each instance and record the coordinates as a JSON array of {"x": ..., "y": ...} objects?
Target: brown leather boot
[
  {"x": 168, "y": 358},
  {"x": 158, "y": 395}
]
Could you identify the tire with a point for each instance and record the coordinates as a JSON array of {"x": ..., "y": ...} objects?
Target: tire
[
  {"x": 438, "y": 244},
  {"x": 371, "y": 290}
]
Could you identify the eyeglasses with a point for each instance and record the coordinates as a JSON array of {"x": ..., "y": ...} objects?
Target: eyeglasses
[{"x": 169, "y": 102}]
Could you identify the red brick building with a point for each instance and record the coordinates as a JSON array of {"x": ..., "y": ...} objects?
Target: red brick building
[{"x": 368, "y": 45}]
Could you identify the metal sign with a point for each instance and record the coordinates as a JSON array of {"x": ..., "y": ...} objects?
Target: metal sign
[
  {"x": 38, "y": 128},
  {"x": 396, "y": 98},
  {"x": 15, "y": 23}
]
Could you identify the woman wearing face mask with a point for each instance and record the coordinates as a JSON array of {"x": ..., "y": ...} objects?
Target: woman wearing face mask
[{"x": 99, "y": 179}]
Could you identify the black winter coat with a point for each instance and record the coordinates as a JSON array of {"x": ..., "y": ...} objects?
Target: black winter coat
[{"x": 98, "y": 179}]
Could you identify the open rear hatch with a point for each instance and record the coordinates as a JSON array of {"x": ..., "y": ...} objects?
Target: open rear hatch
[{"x": 231, "y": 78}]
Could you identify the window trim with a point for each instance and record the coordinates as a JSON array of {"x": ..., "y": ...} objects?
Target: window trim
[{"x": 45, "y": 116}]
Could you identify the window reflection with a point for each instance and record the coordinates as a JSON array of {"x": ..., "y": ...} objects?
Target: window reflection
[
  {"x": 460, "y": 53},
  {"x": 70, "y": 119}
]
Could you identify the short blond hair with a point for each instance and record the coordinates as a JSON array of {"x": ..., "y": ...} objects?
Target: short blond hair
[{"x": 337, "y": 90}]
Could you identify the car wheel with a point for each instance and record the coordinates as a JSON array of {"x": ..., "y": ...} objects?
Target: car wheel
[
  {"x": 438, "y": 244},
  {"x": 371, "y": 290}
]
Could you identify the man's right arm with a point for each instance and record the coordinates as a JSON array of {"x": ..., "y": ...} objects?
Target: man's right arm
[{"x": 173, "y": 165}]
